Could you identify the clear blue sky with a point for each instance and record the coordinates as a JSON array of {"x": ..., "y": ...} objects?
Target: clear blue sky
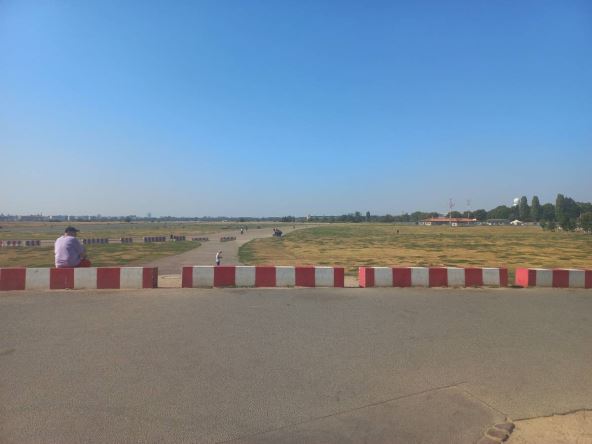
[{"x": 261, "y": 108}]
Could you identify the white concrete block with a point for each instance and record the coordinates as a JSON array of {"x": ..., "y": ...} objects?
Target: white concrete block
[
  {"x": 85, "y": 278},
  {"x": 383, "y": 277},
  {"x": 285, "y": 276},
  {"x": 420, "y": 277},
  {"x": 324, "y": 277},
  {"x": 131, "y": 277},
  {"x": 245, "y": 276},
  {"x": 37, "y": 279},
  {"x": 456, "y": 277},
  {"x": 577, "y": 279},
  {"x": 544, "y": 277},
  {"x": 491, "y": 277},
  {"x": 203, "y": 276}
]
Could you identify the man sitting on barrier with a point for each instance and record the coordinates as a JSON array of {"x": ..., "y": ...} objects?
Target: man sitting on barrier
[{"x": 69, "y": 252}]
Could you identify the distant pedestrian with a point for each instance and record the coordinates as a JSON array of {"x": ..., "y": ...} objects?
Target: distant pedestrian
[
  {"x": 218, "y": 258},
  {"x": 69, "y": 252}
]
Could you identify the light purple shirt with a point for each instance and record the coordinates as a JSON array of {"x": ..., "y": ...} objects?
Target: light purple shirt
[{"x": 68, "y": 252}]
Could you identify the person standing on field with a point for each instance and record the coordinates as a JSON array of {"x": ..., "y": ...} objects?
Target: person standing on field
[
  {"x": 218, "y": 258},
  {"x": 69, "y": 252}
]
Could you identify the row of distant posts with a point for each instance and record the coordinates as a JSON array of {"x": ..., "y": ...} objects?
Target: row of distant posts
[
  {"x": 102, "y": 240},
  {"x": 20, "y": 243},
  {"x": 93, "y": 241}
]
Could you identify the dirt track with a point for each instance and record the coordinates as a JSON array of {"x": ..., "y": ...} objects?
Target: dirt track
[{"x": 206, "y": 253}]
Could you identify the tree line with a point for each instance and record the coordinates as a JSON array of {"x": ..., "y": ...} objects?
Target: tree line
[{"x": 565, "y": 213}]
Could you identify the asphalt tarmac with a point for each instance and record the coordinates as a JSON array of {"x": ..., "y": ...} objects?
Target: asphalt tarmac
[{"x": 288, "y": 365}]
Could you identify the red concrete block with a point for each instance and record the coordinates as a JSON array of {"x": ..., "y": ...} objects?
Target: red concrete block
[
  {"x": 438, "y": 277},
  {"x": 108, "y": 277},
  {"x": 305, "y": 277},
  {"x": 338, "y": 277},
  {"x": 561, "y": 278},
  {"x": 503, "y": 273},
  {"x": 524, "y": 277},
  {"x": 187, "y": 277},
  {"x": 366, "y": 276},
  {"x": 265, "y": 277},
  {"x": 473, "y": 277},
  {"x": 224, "y": 276},
  {"x": 150, "y": 277},
  {"x": 588, "y": 277},
  {"x": 61, "y": 278},
  {"x": 12, "y": 278},
  {"x": 402, "y": 277}
]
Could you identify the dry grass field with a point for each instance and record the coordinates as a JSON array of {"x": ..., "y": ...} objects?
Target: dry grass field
[
  {"x": 354, "y": 245},
  {"x": 101, "y": 255},
  {"x": 113, "y": 254},
  {"x": 52, "y": 230}
]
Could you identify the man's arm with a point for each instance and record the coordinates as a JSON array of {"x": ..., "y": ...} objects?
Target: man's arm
[{"x": 81, "y": 250}]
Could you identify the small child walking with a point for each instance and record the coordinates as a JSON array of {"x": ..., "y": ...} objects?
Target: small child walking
[{"x": 218, "y": 257}]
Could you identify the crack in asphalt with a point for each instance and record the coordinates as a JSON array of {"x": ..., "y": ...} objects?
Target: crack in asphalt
[
  {"x": 373, "y": 404},
  {"x": 569, "y": 412},
  {"x": 484, "y": 402}
]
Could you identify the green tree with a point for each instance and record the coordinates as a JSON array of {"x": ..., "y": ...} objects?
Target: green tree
[
  {"x": 566, "y": 212},
  {"x": 500, "y": 212},
  {"x": 535, "y": 209},
  {"x": 480, "y": 215},
  {"x": 586, "y": 222},
  {"x": 548, "y": 212},
  {"x": 585, "y": 207},
  {"x": 523, "y": 211},
  {"x": 572, "y": 209},
  {"x": 559, "y": 207}
]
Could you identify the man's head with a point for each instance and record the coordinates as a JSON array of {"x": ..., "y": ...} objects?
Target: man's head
[{"x": 71, "y": 231}]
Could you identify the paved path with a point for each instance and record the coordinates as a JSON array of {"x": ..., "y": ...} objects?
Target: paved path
[
  {"x": 206, "y": 253},
  {"x": 288, "y": 365}
]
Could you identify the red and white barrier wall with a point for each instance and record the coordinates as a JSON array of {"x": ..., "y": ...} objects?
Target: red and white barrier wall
[
  {"x": 261, "y": 276},
  {"x": 287, "y": 276},
  {"x": 557, "y": 278},
  {"x": 77, "y": 278},
  {"x": 432, "y": 277}
]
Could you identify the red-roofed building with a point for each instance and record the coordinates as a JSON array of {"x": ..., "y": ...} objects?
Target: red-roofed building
[{"x": 453, "y": 221}]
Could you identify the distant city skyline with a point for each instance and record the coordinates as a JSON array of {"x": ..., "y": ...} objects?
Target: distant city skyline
[
  {"x": 149, "y": 215},
  {"x": 266, "y": 108}
]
